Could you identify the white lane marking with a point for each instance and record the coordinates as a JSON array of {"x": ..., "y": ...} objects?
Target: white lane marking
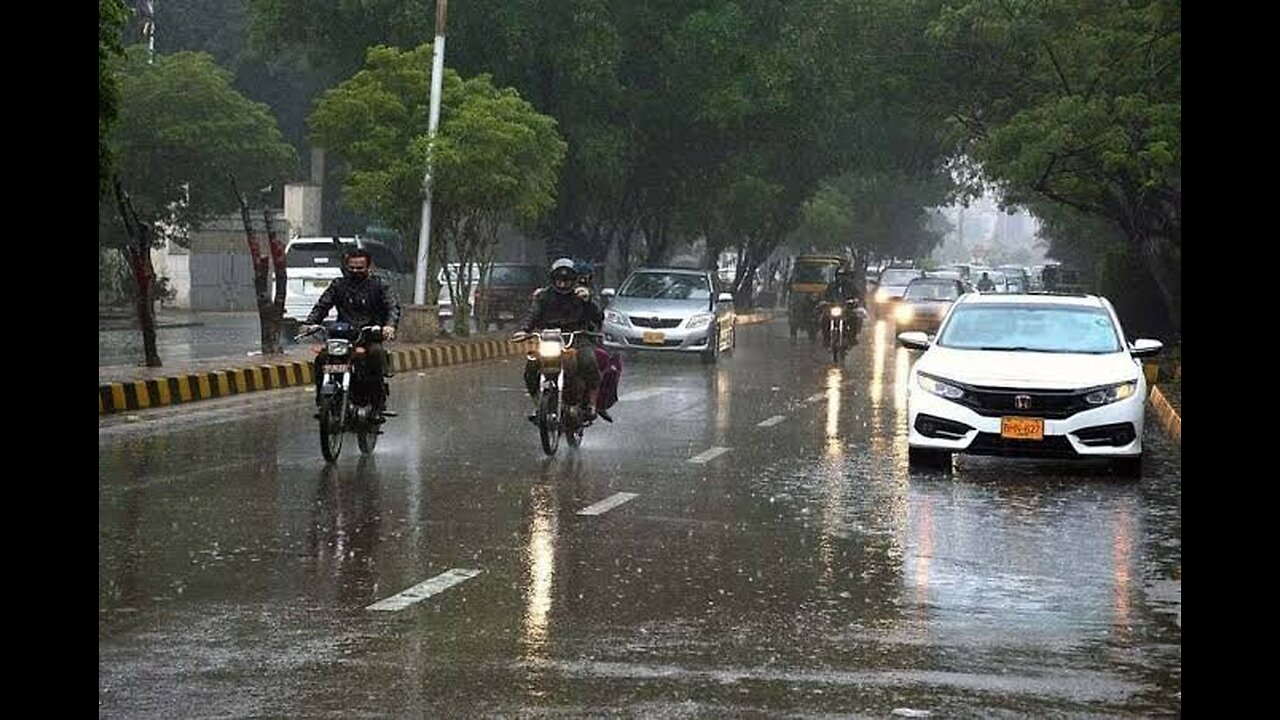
[
  {"x": 771, "y": 421},
  {"x": 608, "y": 503},
  {"x": 815, "y": 397},
  {"x": 425, "y": 589},
  {"x": 641, "y": 394},
  {"x": 711, "y": 454}
]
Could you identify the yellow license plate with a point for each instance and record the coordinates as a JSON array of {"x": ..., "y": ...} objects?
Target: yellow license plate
[
  {"x": 1021, "y": 428},
  {"x": 653, "y": 337}
]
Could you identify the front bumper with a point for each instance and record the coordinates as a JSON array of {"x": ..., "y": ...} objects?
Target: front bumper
[
  {"x": 677, "y": 339},
  {"x": 1113, "y": 430}
]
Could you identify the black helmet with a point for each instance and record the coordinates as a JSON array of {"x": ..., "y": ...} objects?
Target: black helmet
[{"x": 562, "y": 270}]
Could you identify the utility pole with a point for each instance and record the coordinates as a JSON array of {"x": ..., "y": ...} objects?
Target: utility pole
[{"x": 433, "y": 123}]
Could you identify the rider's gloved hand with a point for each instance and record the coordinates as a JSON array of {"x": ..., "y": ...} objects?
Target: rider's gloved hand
[
  {"x": 308, "y": 329},
  {"x": 582, "y": 293},
  {"x": 388, "y": 332}
]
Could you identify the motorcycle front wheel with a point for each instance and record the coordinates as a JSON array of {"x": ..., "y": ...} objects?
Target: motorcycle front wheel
[
  {"x": 367, "y": 437},
  {"x": 549, "y": 422},
  {"x": 331, "y": 427}
]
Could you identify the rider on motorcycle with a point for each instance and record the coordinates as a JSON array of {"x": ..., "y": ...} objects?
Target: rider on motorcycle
[
  {"x": 361, "y": 299},
  {"x": 568, "y": 306},
  {"x": 844, "y": 290}
]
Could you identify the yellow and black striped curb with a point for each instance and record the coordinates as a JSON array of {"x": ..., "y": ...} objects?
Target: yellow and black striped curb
[
  {"x": 1169, "y": 418},
  {"x": 158, "y": 392}
]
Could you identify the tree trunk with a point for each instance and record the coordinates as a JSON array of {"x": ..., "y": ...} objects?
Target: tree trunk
[
  {"x": 276, "y": 316},
  {"x": 269, "y": 330},
  {"x": 137, "y": 253}
]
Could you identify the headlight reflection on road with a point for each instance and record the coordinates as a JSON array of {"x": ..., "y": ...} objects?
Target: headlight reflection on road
[
  {"x": 542, "y": 567},
  {"x": 877, "y": 362},
  {"x": 1122, "y": 561},
  {"x": 834, "y": 378}
]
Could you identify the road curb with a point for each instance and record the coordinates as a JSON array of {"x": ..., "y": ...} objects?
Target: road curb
[
  {"x": 192, "y": 387},
  {"x": 1169, "y": 418}
]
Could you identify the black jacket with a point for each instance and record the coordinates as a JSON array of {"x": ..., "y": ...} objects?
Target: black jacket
[
  {"x": 551, "y": 309},
  {"x": 371, "y": 302},
  {"x": 843, "y": 289}
]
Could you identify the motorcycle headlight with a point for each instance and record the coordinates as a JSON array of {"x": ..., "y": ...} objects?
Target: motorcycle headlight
[
  {"x": 904, "y": 313},
  {"x": 700, "y": 320},
  {"x": 1112, "y": 393},
  {"x": 939, "y": 387},
  {"x": 338, "y": 347},
  {"x": 549, "y": 349},
  {"x": 882, "y": 295},
  {"x": 836, "y": 311},
  {"x": 614, "y": 316}
]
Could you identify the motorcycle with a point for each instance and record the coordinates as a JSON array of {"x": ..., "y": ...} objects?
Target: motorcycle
[
  {"x": 347, "y": 397},
  {"x": 843, "y": 323},
  {"x": 562, "y": 399}
]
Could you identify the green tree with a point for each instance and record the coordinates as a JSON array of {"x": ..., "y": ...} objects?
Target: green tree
[
  {"x": 1078, "y": 104},
  {"x": 112, "y": 17},
  {"x": 182, "y": 132},
  {"x": 496, "y": 158}
]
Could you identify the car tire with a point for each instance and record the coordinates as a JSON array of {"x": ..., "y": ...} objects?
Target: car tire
[
  {"x": 1128, "y": 467},
  {"x": 712, "y": 353},
  {"x": 928, "y": 459}
]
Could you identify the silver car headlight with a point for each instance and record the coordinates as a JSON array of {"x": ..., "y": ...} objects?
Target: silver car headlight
[
  {"x": 904, "y": 313},
  {"x": 938, "y": 387},
  {"x": 700, "y": 320},
  {"x": 338, "y": 347},
  {"x": 1111, "y": 393},
  {"x": 882, "y": 295},
  {"x": 614, "y": 317}
]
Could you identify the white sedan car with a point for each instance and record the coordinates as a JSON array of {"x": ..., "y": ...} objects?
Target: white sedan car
[{"x": 1028, "y": 376}]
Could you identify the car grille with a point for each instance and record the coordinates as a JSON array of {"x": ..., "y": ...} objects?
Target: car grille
[
  {"x": 638, "y": 342},
  {"x": 1053, "y": 446},
  {"x": 653, "y": 322},
  {"x": 996, "y": 402}
]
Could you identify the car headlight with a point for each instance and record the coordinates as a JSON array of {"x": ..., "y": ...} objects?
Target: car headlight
[
  {"x": 549, "y": 349},
  {"x": 700, "y": 320},
  {"x": 904, "y": 313},
  {"x": 882, "y": 295},
  {"x": 614, "y": 317},
  {"x": 1111, "y": 393},
  {"x": 338, "y": 347},
  {"x": 938, "y": 387}
]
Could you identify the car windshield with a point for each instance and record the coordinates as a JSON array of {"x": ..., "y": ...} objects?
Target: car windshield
[
  {"x": 1037, "y": 328},
  {"x": 931, "y": 291},
  {"x": 515, "y": 275},
  {"x": 898, "y": 277},
  {"x": 812, "y": 272},
  {"x": 668, "y": 286}
]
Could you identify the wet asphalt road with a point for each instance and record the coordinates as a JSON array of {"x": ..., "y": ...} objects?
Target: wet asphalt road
[{"x": 762, "y": 549}]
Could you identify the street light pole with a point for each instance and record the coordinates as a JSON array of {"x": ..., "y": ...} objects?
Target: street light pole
[{"x": 433, "y": 122}]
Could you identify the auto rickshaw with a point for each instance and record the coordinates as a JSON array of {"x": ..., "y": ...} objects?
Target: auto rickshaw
[{"x": 810, "y": 276}]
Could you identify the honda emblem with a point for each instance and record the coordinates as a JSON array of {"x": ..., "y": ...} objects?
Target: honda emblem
[{"x": 1022, "y": 402}]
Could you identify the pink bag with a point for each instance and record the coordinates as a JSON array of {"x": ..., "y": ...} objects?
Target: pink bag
[{"x": 610, "y": 373}]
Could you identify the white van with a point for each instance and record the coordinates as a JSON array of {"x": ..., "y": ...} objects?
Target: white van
[{"x": 314, "y": 262}]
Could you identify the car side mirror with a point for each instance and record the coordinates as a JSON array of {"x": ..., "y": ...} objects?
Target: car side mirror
[
  {"x": 608, "y": 292},
  {"x": 1144, "y": 347},
  {"x": 914, "y": 340},
  {"x": 724, "y": 297}
]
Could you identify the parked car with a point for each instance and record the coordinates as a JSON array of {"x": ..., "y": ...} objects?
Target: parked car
[
  {"x": 444, "y": 302},
  {"x": 1028, "y": 375},
  {"x": 508, "y": 294},
  {"x": 670, "y": 310},
  {"x": 926, "y": 301},
  {"x": 314, "y": 262}
]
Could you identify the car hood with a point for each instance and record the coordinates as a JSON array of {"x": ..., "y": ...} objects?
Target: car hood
[
  {"x": 646, "y": 307},
  {"x": 1050, "y": 371}
]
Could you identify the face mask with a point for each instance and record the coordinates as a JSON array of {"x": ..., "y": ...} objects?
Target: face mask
[{"x": 357, "y": 275}]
